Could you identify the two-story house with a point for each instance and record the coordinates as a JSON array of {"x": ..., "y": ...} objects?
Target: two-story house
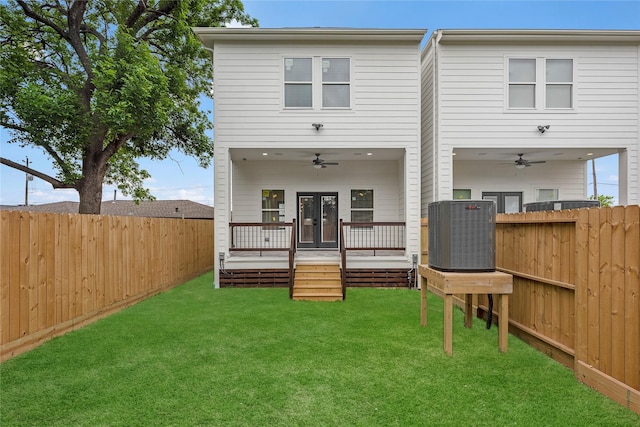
[
  {"x": 515, "y": 115},
  {"x": 317, "y": 152}
]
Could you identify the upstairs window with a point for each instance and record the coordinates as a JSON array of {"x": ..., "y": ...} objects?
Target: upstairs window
[
  {"x": 536, "y": 84},
  {"x": 309, "y": 82},
  {"x": 522, "y": 83},
  {"x": 335, "y": 83},
  {"x": 298, "y": 83},
  {"x": 559, "y": 81}
]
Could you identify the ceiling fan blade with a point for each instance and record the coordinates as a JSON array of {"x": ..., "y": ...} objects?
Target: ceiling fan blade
[
  {"x": 537, "y": 161},
  {"x": 330, "y": 163}
]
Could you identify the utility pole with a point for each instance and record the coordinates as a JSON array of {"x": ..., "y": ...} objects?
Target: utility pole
[
  {"x": 26, "y": 184},
  {"x": 595, "y": 184}
]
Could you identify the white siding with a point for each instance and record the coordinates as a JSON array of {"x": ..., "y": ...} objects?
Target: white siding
[{"x": 249, "y": 86}]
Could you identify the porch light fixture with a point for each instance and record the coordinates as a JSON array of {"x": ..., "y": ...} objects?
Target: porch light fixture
[
  {"x": 543, "y": 129},
  {"x": 317, "y": 125}
]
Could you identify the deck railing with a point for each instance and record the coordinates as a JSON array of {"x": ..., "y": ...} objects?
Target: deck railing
[
  {"x": 369, "y": 237},
  {"x": 265, "y": 237}
]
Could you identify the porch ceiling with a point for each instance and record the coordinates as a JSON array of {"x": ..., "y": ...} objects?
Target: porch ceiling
[
  {"x": 308, "y": 154},
  {"x": 532, "y": 154}
]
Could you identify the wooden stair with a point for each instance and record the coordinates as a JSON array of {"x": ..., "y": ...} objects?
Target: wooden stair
[{"x": 317, "y": 282}]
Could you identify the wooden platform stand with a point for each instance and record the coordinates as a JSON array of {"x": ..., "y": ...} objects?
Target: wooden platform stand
[{"x": 450, "y": 283}]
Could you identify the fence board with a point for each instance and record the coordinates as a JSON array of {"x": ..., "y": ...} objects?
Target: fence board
[
  {"x": 632, "y": 297},
  {"x": 604, "y": 323},
  {"x": 617, "y": 291}
]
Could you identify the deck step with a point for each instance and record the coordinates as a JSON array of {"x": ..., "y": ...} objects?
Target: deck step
[{"x": 317, "y": 282}]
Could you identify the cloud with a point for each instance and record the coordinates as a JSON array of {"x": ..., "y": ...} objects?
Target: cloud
[{"x": 236, "y": 24}]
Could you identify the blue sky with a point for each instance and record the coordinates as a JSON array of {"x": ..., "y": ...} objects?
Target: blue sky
[{"x": 181, "y": 178}]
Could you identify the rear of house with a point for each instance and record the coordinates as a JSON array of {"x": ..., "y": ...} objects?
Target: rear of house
[
  {"x": 515, "y": 115},
  {"x": 315, "y": 128}
]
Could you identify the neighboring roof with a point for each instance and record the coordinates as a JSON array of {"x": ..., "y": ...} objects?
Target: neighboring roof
[
  {"x": 535, "y": 36},
  {"x": 153, "y": 209},
  {"x": 210, "y": 34}
]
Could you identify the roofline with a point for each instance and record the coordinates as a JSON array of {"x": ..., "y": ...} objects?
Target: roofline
[
  {"x": 467, "y": 36},
  {"x": 209, "y": 35}
]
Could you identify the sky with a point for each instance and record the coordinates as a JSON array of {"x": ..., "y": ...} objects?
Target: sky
[{"x": 180, "y": 177}]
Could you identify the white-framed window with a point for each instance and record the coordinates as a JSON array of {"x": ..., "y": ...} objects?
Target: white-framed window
[
  {"x": 547, "y": 194},
  {"x": 317, "y": 81},
  {"x": 461, "y": 194},
  {"x": 540, "y": 83},
  {"x": 298, "y": 84},
  {"x": 361, "y": 205},
  {"x": 336, "y": 86},
  {"x": 273, "y": 206}
]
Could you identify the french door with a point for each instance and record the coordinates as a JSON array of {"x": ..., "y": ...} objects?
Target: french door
[
  {"x": 317, "y": 220},
  {"x": 506, "y": 202}
]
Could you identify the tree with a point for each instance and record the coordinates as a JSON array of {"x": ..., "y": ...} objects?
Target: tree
[
  {"x": 604, "y": 200},
  {"x": 97, "y": 84}
]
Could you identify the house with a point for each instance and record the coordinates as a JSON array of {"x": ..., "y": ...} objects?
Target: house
[
  {"x": 318, "y": 133},
  {"x": 515, "y": 115},
  {"x": 183, "y": 209}
]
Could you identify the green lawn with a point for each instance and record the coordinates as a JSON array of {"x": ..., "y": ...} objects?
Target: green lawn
[{"x": 251, "y": 357}]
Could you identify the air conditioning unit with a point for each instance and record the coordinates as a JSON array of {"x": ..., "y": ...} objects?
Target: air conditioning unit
[
  {"x": 462, "y": 235},
  {"x": 556, "y": 205}
]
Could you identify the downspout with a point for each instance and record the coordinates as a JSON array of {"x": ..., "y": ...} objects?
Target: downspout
[{"x": 436, "y": 116}]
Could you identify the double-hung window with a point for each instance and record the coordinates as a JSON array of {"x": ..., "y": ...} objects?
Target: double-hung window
[
  {"x": 540, "y": 83},
  {"x": 272, "y": 206},
  {"x": 298, "y": 87},
  {"x": 361, "y": 205},
  {"x": 317, "y": 81}
]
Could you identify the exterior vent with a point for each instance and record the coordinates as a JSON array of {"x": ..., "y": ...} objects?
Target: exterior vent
[
  {"x": 556, "y": 205},
  {"x": 462, "y": 235}
]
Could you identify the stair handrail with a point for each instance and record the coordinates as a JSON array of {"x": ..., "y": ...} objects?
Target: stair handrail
[
  {"x": 343, "y": 260},
  {"x": 292, "y": 253}
]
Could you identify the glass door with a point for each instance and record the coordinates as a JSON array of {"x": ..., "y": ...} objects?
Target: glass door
[
  {"x": 506, "y": 202},
  {"x": 317, "y": 220}
]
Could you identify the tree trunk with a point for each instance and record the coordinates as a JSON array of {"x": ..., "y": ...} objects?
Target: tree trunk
[
  {"x": 90, "y": 191},
  {"x": 94, "y": 167}
]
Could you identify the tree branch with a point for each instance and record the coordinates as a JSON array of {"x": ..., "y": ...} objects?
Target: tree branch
[
  {"x": 32, "y": 14},
  {"x": 51, "y": 180}
]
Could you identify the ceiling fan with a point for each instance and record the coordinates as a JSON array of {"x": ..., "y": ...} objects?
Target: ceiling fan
[
  {"x": 319, "y": 163},
  {"x": 523, "y": 163}
]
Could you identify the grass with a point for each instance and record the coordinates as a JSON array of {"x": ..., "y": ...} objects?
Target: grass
[{"x": 251, "y": 357}]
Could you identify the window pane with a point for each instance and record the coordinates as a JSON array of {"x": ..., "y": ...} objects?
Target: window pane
[
  {"x": 461, "y": 194},
  {"x": 297, "y": 69},
  {"x": 559, "y": 70},
  {"x": 297, "y": 95},
  {"x": 335, "y": 70},
  {"x": 272, "y": 199},
  {"x": 361, "y": 199},
  {"x": 559, "y": 96},
  {"x": 521, "y": 96},
  {"x": 522, "y": 70},
  {"x": 361, "y": 216},
  {"x": 546, "y": 194},
  {"x": 511, "y": 204},
  {"x": 334, "y": 96}
]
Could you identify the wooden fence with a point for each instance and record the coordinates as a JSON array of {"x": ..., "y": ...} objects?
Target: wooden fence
[
  {"x": 576, "y": 291},
  {"x": 60, "y": 272}
]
